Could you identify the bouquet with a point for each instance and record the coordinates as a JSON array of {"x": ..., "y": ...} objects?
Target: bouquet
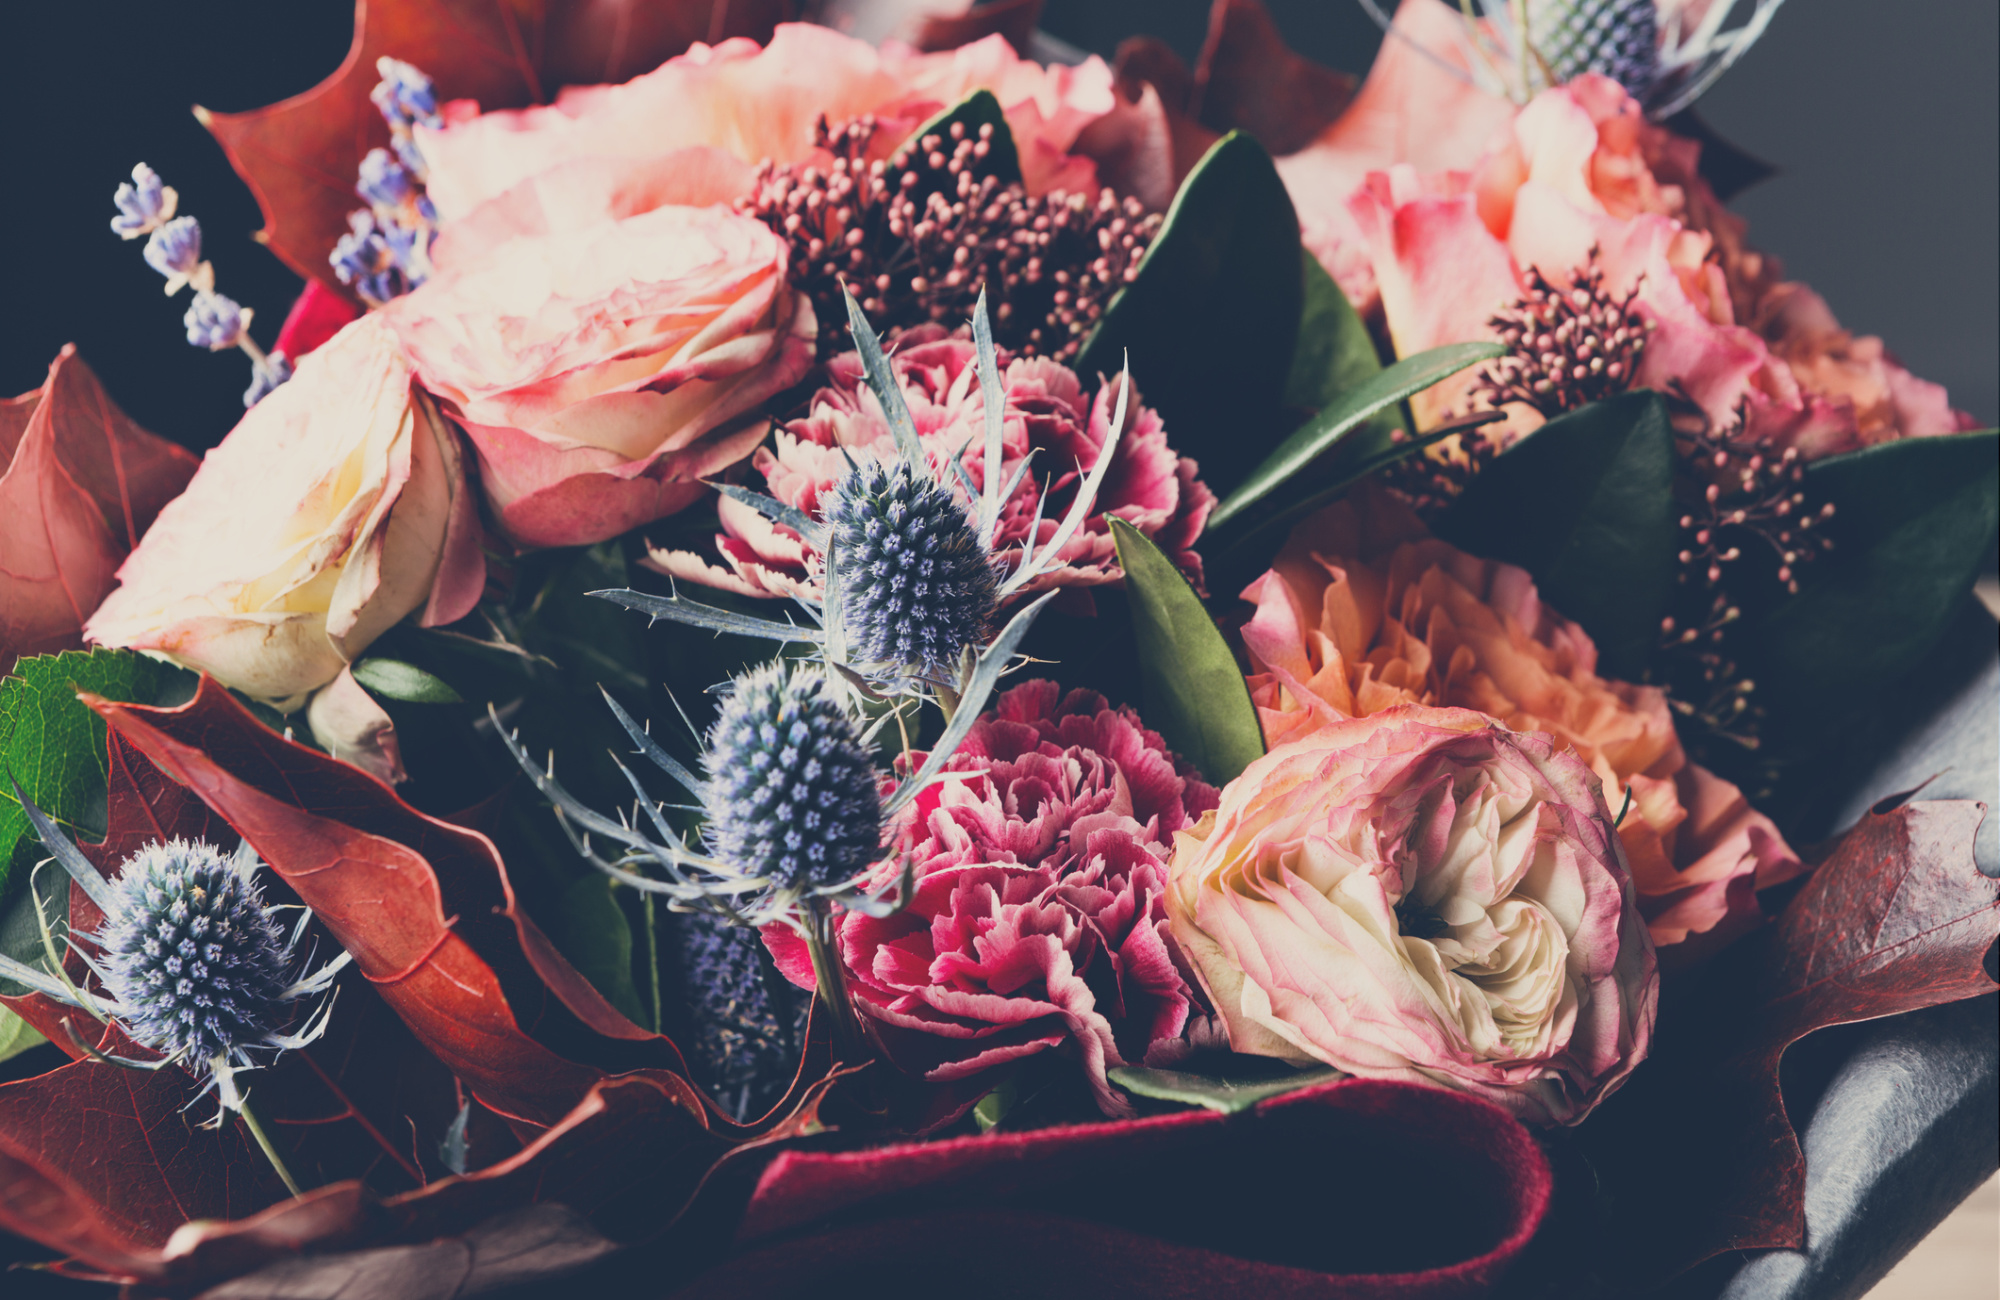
[{"x": 814, "y": 655}]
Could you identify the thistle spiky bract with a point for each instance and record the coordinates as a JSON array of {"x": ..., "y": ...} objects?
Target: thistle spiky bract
[
  {"x": 918, "y": 586},
  {"x": 791, "y": 793},
  {"x": 193, "y": 955},
  {"x": 1618, "y": 38}
]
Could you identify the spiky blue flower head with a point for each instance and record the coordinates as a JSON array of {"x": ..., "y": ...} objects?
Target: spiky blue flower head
[
  {"x": 144, "y": 203},
  {"x": 215, "y": 321},
  {"x": 1619, "y": 38},
  {"x": 916, "y": 585},
  {"x": 404, "y": 95},
  {"x": 792, "y": 794},
  {"x": 175, "y": 248},
  {"x": 748, "y": 1020},
  {"x": 199, "y": 965}
]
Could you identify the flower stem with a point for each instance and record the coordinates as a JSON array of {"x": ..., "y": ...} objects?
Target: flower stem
[
  {"x": 831, "y": 979},
  {"x": 652, "y": 956},
  {"x": 250, "y": 1121}
]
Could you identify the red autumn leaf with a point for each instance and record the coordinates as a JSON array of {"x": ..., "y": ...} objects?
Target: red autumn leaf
[
  {"x": 298, "y": 156},
  {"x": 79, "y": 484},
  {"x": 424, "y": 907},
  {"x": 1698, "y": 1154},
  {"x": 1248, "y": 78}
]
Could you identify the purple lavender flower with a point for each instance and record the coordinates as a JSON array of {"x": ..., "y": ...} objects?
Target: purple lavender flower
[
  {"x": 175, "y": 250},
  {"x": 264, "y": 379},
  {"x": 384, "y": 181},
  {"x": 215, "y": 321},
  {"x": 404, "y": 95},
  {"x": 144, "y": 203}
]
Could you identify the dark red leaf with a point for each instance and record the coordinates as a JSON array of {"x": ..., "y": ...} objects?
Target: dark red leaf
[
  {"x": 1014, "y": 19},
  {"x": 1697, "y": 1154},
  {"x": 298, "y": 156},
  {"x": 1249, "y": 79},
  {"x": 317, "y": 314},
  {"x": 79, "y": 484}
]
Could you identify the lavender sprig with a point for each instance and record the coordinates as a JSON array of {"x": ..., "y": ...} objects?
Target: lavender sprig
[{"x": 386, "y": 250}]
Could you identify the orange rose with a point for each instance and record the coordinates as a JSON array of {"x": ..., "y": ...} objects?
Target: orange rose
[{"x": 1364, "y": 611}]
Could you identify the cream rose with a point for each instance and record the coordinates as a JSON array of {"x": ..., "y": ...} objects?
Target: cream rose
[
  {"x": 337, "y": 507},
  {"x": 1422, "y": 894}
]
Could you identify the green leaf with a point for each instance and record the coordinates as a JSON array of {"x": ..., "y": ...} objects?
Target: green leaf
[
  {"x": 1334, "y": 351},
  {"x": 592, "y": 931},
  {"x": 978, "y": 109},
  {"x": 1349, "y": 412},
  {"x": 1914, "y": 521},
  {"x": 1193, "y": 690},
  {"x": 1211, "y": 320},
  {"x": 54, "y": 746},
  {"x": 990, "y": 1110},
  {"x": 16, "y": 1035},
  {"x": 1585, "y": 504},
  {"x": 1216, "y": 1093},
  {"x": 406, "y": 682}
]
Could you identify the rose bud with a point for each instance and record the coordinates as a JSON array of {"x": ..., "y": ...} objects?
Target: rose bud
[
  {"x": 604, "y": 346},
  {"x": 1422, "y": 894},
  {"x": 335, "y": 508}
]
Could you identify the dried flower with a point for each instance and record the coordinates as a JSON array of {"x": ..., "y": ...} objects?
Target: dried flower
[
  {"x": 145, "y": 203},
  {"x": 919, "y": 236}
]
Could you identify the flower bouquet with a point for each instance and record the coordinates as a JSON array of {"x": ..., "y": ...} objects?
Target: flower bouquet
[{"x": 814, "y": 654}]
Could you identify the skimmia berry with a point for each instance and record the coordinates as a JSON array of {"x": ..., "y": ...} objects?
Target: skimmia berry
[
  {"x": 194, "y": 956},
  {"x": 792, "y": 794},
  {"x": 917, "y": 585}
]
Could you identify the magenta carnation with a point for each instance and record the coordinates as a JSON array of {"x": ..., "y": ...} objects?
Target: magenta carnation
[
  {"x": 1049, "y": 416},
  {"x": 1039, "y": 917}
]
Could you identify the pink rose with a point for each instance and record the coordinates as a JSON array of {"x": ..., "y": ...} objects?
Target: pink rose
[
  {"x": 1038, "y": 921},
  {"x": 603, "y": 333},
  {"x": 337, "y": 507},
  {"x": 1422, "y": 894},
  {"x": 1048, "y": 415},
  {"x": 1364, "y": 611},
  {"x": 79, "y": 485},
  {"x": 761, "y": 103}
]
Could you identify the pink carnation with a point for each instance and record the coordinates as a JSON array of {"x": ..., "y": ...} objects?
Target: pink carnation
[
  {"x": 1048, "y": 415},
  {"x": 1039, "y": 918}
]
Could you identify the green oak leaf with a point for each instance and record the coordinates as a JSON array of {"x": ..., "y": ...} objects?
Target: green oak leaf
[
  {"x": 54, "y": 746},
  {"x": 1226, "y": 1095},
  {"x": 1585, "y": 504},
  {"x": 1210, "y": 321},
  {"x": 1193, "y": 690}
]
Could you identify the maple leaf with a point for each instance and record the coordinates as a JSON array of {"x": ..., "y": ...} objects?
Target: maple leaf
[
  {"x": 1697, "y": 1155},
  {"x": 298, "y": 156},
  {"x": 81, "y": 484}
]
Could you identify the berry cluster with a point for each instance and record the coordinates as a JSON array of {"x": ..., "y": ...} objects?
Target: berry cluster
[
  {"x": 919, "y": 235},
  {"x": 917, "y": 585},
  {"x": 193, "y": 955},
  {"x": 791, "y": 793},
  {"x": 1566, "y": 347}
]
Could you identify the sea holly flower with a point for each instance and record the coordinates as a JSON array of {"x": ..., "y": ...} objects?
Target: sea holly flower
[{"x": 193, "y": 965}]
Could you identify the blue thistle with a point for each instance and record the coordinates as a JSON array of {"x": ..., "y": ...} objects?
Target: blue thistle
[
  {"x": 791, "y": 795},
  {"x": 1618, "y": 38},
  {"x": 192, "y": 953},
  {"x": 748, "y": 1025},
  {"x": 917, "y": 585}
]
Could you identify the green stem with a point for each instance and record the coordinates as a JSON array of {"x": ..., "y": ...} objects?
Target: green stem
[
  {"x": 250, "y": 1122},
  {"x": 653, "y": 958},
  {"x": 831, "y": 978},
  {"x": 947, "y": 702}
]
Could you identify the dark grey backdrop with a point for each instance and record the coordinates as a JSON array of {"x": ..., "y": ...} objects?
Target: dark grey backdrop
[{"x": 1884, "y": 116}]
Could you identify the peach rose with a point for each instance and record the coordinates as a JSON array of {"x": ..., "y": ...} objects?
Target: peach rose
[
  {"x": 1423, "y": 894},
  {"x": 602, "y": 331},
  {"x": 757, "y": 103},
  {"x": 337, "y": 507},
  {"x": 1363, "y": 611}
]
